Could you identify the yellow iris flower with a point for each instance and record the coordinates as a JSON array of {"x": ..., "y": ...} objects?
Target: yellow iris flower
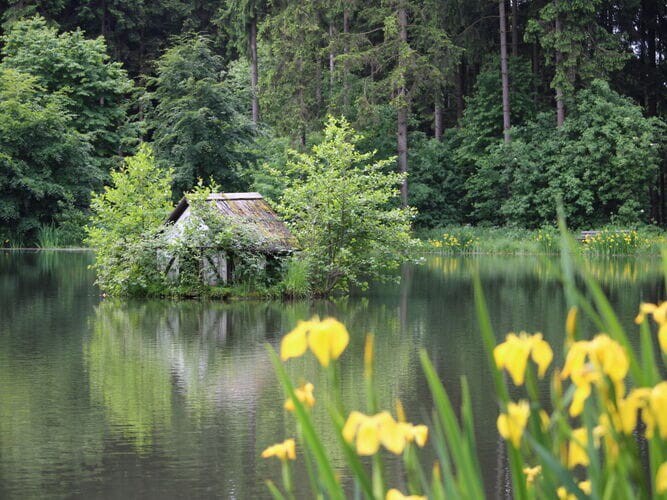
[
  {"x": 284, "y": 451},
  {"x": 584, "y": 486},
  {"x": 327, "y": 339},
  {"x": 415, "y": 433},
  {"x": 512, "y": 424},
  {"x": 381, "y": 429},
  {"x": 304, "y": 394},
  {"x": 514, "y": 352},
  {"x": 532, "y": 473},
  {"x": 576, "y": 453},
  {"x": 659, "y": 313},
  {"x": 587, "y": 361},
  {"x": 394, "y": 494},
  {"x": 658, "y": 405},
  {"x": 638, "y": 399},
  {"x": 661, "y": 479}
]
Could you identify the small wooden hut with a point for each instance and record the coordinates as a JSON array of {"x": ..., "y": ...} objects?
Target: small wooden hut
[{"x": 245, "y": 209}]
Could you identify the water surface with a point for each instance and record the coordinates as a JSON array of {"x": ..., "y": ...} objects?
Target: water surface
[{"x": 166, "y": 399}]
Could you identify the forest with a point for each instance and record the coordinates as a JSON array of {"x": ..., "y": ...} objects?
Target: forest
[{"x": 493, "y": 109}]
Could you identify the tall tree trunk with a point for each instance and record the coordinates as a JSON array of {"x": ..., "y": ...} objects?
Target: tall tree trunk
[
  {"x": 103, "y": 23},
  {"x": 254, "y": 72},
  {"x": 302, "y": 104},
  {"x": 504, "y": 72},
  {"x": 460, "y": 90},
  {"x": 560, "y": 104},
  {"x": 346, "y": 49},
  {"x": 649, "y": 31},
  {"x": 318, "y": 80},
  {"x": 402, "y": 112},
  {"x": 515, "y": 28},
  {"x": 332, "y": 58}
]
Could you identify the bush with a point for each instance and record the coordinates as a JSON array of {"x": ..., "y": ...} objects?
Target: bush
[
  {"x": 599, "y": 163},
  {"x": 341, "y": 206},
  {"x": 127, "y": 218}
]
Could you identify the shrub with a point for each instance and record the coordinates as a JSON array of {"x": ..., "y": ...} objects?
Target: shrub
[
  {"x": 124, "y": 228},
  {"x": 341, "y": 206}
]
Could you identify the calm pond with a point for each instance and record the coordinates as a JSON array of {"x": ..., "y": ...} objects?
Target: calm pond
[{"x": 163, "y": 399}]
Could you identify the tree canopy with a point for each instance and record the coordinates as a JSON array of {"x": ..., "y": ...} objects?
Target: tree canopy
[{"x": 218, "y": 88}]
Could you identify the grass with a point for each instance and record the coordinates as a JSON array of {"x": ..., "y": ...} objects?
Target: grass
[
  {"x": 48, "y": 236},
  {"x": 296, "y": 281},
  {"x": 609, "y": 241}
]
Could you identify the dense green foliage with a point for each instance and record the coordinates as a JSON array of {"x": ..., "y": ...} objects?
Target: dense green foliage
[
  {"x": 599, "y": 163},
  {"x": 198, "y": 123},
  {"x": 219, "y": 88},
  {"x": 127, "y": 218},
  {"x": 338, "y": 205},
  {"x": 93, "y": 89},
  {"x": 45, "y": 162}
]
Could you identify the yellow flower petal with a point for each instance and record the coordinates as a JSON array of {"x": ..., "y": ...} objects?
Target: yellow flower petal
[
  {"x": 368, "y": 439},
  {"x": 580, "y": 395},
  {"x": 542, "y": 354},
  {"x": 585, "y": 486},
  {"x": 352, "y": 425},
  {"x": 304, "y": 394},
  {"x": 645, "y": 309},
  {"x": 660, "y": 314},
  {"x": 290, "y": 447},
  {"x": 531, "y": 473},
  {"x": 327, "y": 339},
  {"x": 339, "y": 337},
  {"x": 661, "y": 479},
  {"x": 394, "y": 494},
  {"x": 659, "y": 407},
  {"x": 513, "y": 356},
  {"x": 421, "y": 435},
  {"x": 512, "y": 424},
  {"x": 318, "y": 341},
  {"x": 662, "y": 337},
  {"x": 577, "y": 449},
  {"x": 284, "y": 451},
  {"x": 392, "y": 436},
  {"x": 294, "y": 343}
]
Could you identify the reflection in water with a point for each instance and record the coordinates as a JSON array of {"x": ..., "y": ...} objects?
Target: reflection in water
[{"x": 178, "y": 399}]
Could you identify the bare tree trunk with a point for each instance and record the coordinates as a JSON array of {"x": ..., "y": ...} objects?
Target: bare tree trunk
[
  {"x": 649, "y": 18},
  {"x": 402, "y": 112},
  {"x": 318, "y": 80},
  {"x": 254, "y": 72},
  {"x": 332, "y": 58},
  {"x": 346, "y": 49},
  {"x": 103, "y": 24},
  {"x": 560, "y": 105},
  {"x": 460, "y": 90},
  {"x": 302, "y": 105},
  {"x": 515, "y": 28},
  {"x": 504, "y": 72}
]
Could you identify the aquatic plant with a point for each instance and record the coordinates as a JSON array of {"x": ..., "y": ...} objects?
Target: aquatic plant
[
  {"x": 615, "y": 242},
  {"x": 48, "y": 236},
  {"x": 601, "y": 434}
]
